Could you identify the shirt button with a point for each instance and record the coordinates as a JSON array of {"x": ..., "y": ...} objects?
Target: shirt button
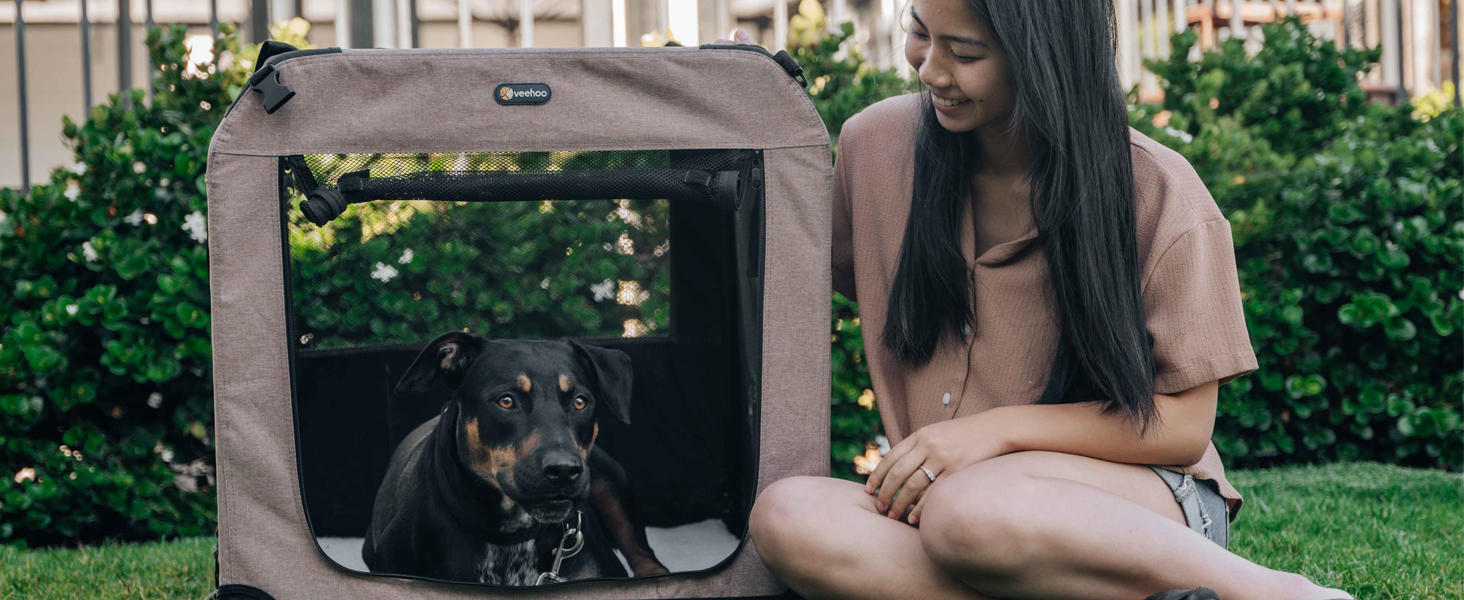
[{"x": 946, "y": 399}]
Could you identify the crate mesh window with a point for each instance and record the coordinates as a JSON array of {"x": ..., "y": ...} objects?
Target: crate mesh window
[{"x": 654, "y": 253}]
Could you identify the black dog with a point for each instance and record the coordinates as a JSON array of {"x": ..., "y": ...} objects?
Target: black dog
[{"x": 485, "y": 491}]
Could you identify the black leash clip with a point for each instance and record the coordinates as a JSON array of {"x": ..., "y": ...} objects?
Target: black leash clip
[{"x": 569, "y": 545}]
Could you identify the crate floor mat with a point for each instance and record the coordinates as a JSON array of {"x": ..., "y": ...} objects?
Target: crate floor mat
[{"x": 513, "y": 322}]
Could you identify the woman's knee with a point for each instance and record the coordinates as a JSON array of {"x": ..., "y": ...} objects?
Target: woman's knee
[
  {"x": 781, "y": 510},
  {"x": 981, "y": 520},
  {"x": 784, "y": 513}
]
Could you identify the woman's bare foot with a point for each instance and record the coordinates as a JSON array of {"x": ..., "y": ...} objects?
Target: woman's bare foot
[{"x": 1298, "y": 587}]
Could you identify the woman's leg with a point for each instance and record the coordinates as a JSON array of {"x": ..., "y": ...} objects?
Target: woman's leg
[
  {"x": 823, "y": 538},
  {"x": 1054, "y": 525}
]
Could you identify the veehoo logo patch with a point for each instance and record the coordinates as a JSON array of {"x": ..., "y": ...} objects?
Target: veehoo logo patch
[{"x": 522, "y": 93}]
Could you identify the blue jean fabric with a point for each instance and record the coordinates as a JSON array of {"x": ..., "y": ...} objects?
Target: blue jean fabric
[{"x": 1205, "y": 510}]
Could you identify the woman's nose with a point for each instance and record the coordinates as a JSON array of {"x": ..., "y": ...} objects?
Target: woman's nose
[{"x": 933, "y": 75}]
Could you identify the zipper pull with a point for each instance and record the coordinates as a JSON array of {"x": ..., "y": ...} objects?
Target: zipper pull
[
  {"x": 791, "y": 66},
  {"x": 782, "y": 58}
]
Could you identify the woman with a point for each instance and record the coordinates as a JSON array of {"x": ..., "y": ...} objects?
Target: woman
[{"x": 1049, "y": 304}]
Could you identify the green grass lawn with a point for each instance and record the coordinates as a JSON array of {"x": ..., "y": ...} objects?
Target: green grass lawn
[{"x": 1377, "y": 531}]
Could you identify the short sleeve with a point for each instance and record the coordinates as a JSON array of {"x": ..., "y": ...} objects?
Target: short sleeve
[
  {"x": 842, "y": 253},
  {"x": 1193, "y": 307}
]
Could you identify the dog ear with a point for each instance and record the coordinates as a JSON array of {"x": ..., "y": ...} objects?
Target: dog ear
[
  {"x": 612, "y": 372},
  {"x": 447, "y": 357}
]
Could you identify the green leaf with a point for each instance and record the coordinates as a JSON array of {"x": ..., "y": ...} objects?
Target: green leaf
[{"x": 1401, "y": 330}]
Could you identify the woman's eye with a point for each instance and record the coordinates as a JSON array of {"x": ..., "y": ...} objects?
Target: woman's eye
[
  {"x": 505, "y": 401},
  {"x": 964, "y": 59},
  {"x": 917, "y": 34},
  {"x": 580, "y": 403}
]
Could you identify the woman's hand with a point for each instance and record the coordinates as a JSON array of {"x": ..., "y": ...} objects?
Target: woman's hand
[
  {"x": 944, "y": 447},
  {"x": 738, "y": 37}
]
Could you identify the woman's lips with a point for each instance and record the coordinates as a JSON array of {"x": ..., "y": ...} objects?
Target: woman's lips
[{"x": 937, "y": 102}]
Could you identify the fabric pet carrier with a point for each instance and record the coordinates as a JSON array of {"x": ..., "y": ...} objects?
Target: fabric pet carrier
[{"x": 522, "y": 323}]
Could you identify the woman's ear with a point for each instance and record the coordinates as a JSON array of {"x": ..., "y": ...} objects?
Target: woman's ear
[
  {"x": 612, "y": 372},
  {"x": 447, "y": 357}
]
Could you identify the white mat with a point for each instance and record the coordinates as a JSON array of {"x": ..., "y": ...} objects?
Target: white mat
[{"x": 690, "y": 547}]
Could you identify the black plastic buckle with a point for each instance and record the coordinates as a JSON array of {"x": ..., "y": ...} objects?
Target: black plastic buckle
[{"x": 276, "y": 94}]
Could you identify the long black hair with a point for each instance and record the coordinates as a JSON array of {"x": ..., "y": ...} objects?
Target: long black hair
[{"x": 1069, "y": 104}]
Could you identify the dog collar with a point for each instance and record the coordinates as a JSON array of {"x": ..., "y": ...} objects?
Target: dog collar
[{"x": 535, "y": 531}]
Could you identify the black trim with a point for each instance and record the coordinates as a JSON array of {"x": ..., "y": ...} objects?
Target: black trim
[
  {"x": 270, "y": 49},
  {"x": 752, "y": 360},
  {"x": 719, "y": 189},
  {"x": 417, "y": 346},
  {"x": 237, "y": 591},
  {"x": 789, "y": 64},
  {"x": 275, "y": 93}
]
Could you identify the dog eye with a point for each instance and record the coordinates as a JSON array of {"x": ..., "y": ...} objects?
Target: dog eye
[
  {"x": 580, "y": 402},
  {"x": 505, "y": 401}
]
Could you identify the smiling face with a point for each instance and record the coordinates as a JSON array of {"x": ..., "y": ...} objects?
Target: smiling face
[{"x": 958, "y": 59}]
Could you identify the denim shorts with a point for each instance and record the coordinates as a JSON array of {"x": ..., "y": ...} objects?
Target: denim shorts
[{"x": 1205, "y": 510}]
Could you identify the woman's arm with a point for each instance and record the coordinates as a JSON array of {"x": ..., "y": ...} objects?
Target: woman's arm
[{"x": 1180, "y": 437}]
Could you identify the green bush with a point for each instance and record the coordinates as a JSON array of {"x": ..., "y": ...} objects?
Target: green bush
[
  {"x": 105, "y": 399},
  {"x": 400, "y": 272},
  {"x": 842, "y": 83},
  {"x": 1349, "y": 263}
]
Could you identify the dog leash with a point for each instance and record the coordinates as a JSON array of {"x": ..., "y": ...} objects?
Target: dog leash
[{"x": 569, "y": 545}]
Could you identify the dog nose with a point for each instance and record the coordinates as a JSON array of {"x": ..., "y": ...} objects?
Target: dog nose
[{"x": 562, "y": 470}]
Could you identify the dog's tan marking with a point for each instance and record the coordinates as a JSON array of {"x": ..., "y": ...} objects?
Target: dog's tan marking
[
  {"x": 593, "y": 435},
  {"x": 483, "y": 460},
  {"x": 523, "y": 383},
  {"x": 528, "y": 445},
  {"x": 564, "y": 383}
]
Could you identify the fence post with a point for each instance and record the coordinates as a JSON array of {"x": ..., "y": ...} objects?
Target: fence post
[
  {"x": 258, "y": 21},
  {"x": 1454, "y": 74},
  {"x": 362, "y": 24},
  {"x": 124, "y": 51},
  {"x": 1237, "y": 26},
  {"x": 465, "y": 25},
  {"x": 86, "y": 78},
  {"x": 780, "y": 25},
  {"x": 526, "y": 23},
  {"x": 24, "y": 120},
  {"x": 1392, "y": 30},
  {"x": 150, "y": 25}
]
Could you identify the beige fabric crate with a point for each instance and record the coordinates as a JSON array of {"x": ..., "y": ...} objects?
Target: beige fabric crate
[{"x": 409, "y": 101}]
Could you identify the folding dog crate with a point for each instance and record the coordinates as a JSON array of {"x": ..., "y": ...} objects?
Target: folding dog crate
[{"x": 671, "y": 203}]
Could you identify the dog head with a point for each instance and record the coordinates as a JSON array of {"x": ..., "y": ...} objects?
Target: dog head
[{"x": 527, "y": 411}]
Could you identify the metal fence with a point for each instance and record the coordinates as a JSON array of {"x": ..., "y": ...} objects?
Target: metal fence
[{"x": 1419, "y": 37}]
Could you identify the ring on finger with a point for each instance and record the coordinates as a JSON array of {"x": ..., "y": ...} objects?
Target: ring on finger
[{"x": 928, "y": 473}]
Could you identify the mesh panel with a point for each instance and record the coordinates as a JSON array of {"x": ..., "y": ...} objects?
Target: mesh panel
[
  {"x": 327, "y": 168},
  {"x": 406, "y": 270}
]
